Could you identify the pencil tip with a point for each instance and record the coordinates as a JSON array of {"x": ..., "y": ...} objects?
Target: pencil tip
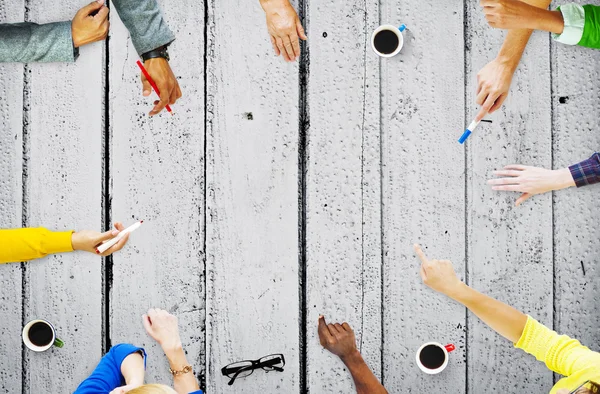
[{"x": 141, "y": 221}]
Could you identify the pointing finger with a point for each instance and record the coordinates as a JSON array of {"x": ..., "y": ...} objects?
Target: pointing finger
[{"x": 420, "y": 253}]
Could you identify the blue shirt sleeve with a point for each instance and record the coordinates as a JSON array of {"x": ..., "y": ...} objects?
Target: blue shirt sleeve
[{"x": 107, "y": 375}]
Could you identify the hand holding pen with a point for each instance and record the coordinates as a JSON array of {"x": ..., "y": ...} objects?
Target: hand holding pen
[
  {"x": 157, "y": 75},
  {"x": 88, "y": 240}
]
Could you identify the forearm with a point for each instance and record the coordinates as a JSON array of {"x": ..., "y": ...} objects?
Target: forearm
[
  {"x": 132, "y": 369},
  {"x": 502, "y": 318},
  {"x": 364, "y": 379},
  {"x": 516, "y": 40},
  {"x": 26, "y": 244},
  {"x": 183, "y": 383},
  {"x": 30, "y": 42},
  {"x": 145, "y": 22}
]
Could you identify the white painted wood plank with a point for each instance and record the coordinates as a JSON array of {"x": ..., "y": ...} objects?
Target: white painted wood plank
[
  {"x": 576, "y": 124},
  {"x": 157, "y": 175},
  {"x": 252, "y": 202},
  {"x": 509, "y": 248},
  {"x": 343, "y": 217},
  {"x": 423, "y": 190},
  {"x": 11, "y": 203},
  {"x": 64, "y": 184}
]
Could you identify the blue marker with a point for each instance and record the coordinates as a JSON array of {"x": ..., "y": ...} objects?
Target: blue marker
[{"x": 468, "y": 131}]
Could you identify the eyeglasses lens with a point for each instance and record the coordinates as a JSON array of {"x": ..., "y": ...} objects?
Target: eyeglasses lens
[
  {"x": 268, "y": 362},
  {"x": 244, "y": 368}
]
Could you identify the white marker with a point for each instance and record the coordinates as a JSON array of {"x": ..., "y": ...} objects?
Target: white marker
[{"x": 102, "y": 248}]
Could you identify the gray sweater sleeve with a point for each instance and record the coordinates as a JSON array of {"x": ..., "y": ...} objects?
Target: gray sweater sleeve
[
  {"x": 145, "y": 23},
  {"x": 30, "y": 42}
]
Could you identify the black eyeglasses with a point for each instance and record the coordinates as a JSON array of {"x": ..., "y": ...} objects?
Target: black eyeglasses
[{"x": 241, "y": 369}]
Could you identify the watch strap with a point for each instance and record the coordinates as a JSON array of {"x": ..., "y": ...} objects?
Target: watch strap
[{"x": 161, "y": 52}]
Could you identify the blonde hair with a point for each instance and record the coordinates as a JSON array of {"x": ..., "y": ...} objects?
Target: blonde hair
[{"x": 151, "y": 389}]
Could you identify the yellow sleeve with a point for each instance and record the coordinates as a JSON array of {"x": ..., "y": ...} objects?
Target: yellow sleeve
[
  {"x": 561, "y": 354},
  {"x": 31, "y": 243}
]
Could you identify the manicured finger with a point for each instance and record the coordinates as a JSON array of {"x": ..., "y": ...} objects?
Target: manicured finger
[
  {"x": 517, "y": 167},
  {"x": 508, "y": 188},
  {"x": 347, "y": 327},
  {"x": 521, "y": 199},
  {"x": 281, "y": 47},
  {"x": 503, "y": 181},
  {"x": 300, "y": 30},
  {"x": 498, "y": 103},
  {"x": 420, "y": 253},
  {"x": 289, "y": 48}
]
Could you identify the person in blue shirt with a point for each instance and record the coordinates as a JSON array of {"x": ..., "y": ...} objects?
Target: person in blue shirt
[{"x": 122, "y": 369}]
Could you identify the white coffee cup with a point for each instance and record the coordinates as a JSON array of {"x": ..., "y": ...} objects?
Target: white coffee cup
[
  {"x": 432, "y": 371},
  {"x": 42, "y": 329},
  {"x": 394, "y": 29}
]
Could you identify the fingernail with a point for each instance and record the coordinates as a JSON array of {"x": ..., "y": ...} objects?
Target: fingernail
[
  {"x": 146, "y": 92},
  {"x": 115, "y": 232}
]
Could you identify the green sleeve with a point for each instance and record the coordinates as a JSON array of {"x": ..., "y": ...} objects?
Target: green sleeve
[{"x": 591, "y": 29}]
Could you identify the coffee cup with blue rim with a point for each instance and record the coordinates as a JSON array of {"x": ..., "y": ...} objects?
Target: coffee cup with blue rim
[
  {"x": 39, "y": 335},
  {"x": 387, "y": 40}
]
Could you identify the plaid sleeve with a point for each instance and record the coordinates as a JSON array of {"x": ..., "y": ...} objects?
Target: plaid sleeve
[{"x": 587, "y": 172}]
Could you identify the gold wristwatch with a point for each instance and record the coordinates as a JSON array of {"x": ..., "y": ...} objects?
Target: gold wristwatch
[{"x": 186, "y": 369}]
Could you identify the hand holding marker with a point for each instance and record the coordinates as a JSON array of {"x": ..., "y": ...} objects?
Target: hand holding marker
[
  {"x": 471, "y": 129},
  {"x": 152, "y": 83},
  {"x": 103, "y": 247}
]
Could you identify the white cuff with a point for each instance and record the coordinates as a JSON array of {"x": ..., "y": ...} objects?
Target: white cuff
[{"x": 574, "y": 17}]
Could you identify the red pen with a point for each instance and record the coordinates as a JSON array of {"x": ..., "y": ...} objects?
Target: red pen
[{"x": 151, "y": 81}]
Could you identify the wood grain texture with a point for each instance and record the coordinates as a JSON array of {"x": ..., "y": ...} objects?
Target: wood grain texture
[
  {"x": 575, "y": 127},
  {"x": 252, "y": 201},
  {"x": 509, "y": 248},
  {"x": 157, "y": 175},
  {"x": 422, "y": 103},
  {"x": 343, "y": 217},
  {"x": 11, "y": 207},
  {"x": 64, "y": 183}
]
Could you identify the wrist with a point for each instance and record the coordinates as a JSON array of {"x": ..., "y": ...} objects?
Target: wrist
[
  {"x": 550, "y": 21},
  {"x": 75, "y": 242},
  {"x": 563, "y": 179},
  {"x": 458, "y": 291},
  {"x": 352, "y": 358},
  {"x": 508, "y": 61},
  {"x": 175, "y": 355}
]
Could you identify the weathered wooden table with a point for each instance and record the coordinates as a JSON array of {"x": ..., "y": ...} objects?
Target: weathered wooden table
[{"x": 279, "y": 192}]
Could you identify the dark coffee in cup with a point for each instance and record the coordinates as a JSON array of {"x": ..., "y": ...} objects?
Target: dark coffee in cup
[
  {"x": 386, "y": 41},
  {"x": 40, "y": 334},
  {"x": 432, "y": 357}
]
